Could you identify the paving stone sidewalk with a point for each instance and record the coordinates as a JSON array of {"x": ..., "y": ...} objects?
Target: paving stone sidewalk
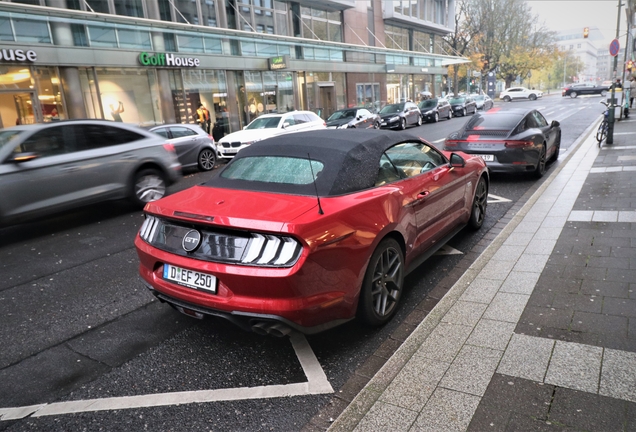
[{"x": 539, "y": 334}]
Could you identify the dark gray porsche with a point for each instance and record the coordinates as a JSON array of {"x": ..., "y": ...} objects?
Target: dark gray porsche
[{"x": 516, "y": 140}]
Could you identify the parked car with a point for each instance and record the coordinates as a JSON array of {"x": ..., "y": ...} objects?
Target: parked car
[
  {"x": 483, "y": 101},
  {"x": 515, "y": 140},
  {"x": 266, "y": 126},
  {"x": 463, "y": 105},
  {"x": 360, "y": 118},
  {"x": 434, "y": 109},
  {"x": 332, "y": 236},
  {"x": 51, "y": 167},
  {"x": 400, "y": 115},
  {"x": 520, "y": 93},
  {"x": 573, "y": 90},
  {"x": 194, "y": 146}
]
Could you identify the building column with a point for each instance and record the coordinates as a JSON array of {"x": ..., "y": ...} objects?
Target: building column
[
  {"x": 72, "y": 88},
  {"x": 166, "y": 100}
]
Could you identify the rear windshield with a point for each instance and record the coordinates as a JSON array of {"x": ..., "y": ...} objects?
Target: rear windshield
[
  {"x": 457, "y": 100},
  {"x": 430, "y": 103},
  {"x": 6, "y": 136},
  {"x": 342, "y": 115},
  {"x": 498, "y": 121},
  {"x": 393, "y": 108},
  {"x": 264, "y": 123},
  {"x": 274, "y": 169}
]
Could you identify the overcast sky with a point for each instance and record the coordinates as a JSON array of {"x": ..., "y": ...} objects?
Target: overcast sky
[{"x": 571, "y": 14}]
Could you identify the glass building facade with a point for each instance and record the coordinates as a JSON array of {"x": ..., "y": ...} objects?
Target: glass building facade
[{"x": 152, "y": 62}]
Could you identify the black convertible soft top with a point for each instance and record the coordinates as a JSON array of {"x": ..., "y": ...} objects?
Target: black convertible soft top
[{"x": 351, "y": 160}]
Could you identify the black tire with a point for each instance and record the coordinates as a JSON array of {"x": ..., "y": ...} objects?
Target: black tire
[
  {"x": 601, "y": 133},
  {"x": 450, "y": 114},
  {"x": 402, "y": 123},
  {"x": 206, "y": 160},
  {"x": 557, "y": 148},
  {"x": 436, "y": 117},
  {"x": 532, "y": 97},
  {"x": 604, "y": 93},
  {"x": 539, "y": 171},
  {"x": 573, "y": 94},
  {"x": 376, "y": 125},
  {"x": 506, "y": 99},
  {"x": 383, "y": 283},
  {"x": 480, "y": 202},
  {"x": 419, "y": 120},
  {"x": 148, "y": 185},
  {"x": 464, "y": 112}
]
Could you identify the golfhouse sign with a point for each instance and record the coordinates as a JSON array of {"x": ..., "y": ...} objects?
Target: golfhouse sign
[
  {"x": 167, "y": 60},
  {"x": 18, "y": 55}
]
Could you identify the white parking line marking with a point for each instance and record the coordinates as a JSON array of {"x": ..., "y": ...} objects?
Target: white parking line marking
[
  {"x": 317, "y": 383},
  {"x": 496, "y": 199},
  {"x": 438, "y": 141}
]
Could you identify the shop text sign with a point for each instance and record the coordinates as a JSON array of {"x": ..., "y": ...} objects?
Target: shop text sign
[
  {"x": 167, "y": 60},
  {"x": 280, "y": 62},
  {"x": 18, "y": 55}
]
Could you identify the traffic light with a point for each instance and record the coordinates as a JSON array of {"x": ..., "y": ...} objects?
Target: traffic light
[
  {"x": 630, "y": 65},
  {"x": 586, "y": 32}
]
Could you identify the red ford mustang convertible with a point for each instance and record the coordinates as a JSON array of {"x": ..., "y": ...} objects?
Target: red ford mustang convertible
[{"x": 309, "y": 230}]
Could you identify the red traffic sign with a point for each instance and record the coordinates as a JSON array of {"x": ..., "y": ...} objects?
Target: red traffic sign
[{"x": 615, "y": 47}]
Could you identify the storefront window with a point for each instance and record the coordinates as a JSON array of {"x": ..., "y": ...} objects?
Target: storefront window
[
  {"x": 127, "y": 95},
  {"x": 47, "y": 83},
  {"x": 398, "y": 88},
  {"x": 368, "y": 96},
  {"x": 209, "y": 87},
  {"x": 17, "y": 97},
  {"x": 326, "y": 92}
]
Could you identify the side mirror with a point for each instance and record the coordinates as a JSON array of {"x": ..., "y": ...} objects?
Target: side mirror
[
  {"x": 24, "y": 157},
  {"x": 285, "y": 125},
  {"x": 457, "y": 161},
  {"x": 555, "y": 124}
]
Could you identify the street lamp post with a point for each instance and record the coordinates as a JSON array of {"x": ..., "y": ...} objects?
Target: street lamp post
[{"x": 611, "y": 119}]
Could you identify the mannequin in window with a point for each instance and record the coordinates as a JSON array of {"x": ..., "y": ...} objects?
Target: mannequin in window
[{"x": 116, "y": 112}]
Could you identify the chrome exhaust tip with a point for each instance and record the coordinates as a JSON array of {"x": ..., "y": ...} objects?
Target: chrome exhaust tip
[
  {"x": 279, "y": 330},
  {"x": 261, "y": 328}
]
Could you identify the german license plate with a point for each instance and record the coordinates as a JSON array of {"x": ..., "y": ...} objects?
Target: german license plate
[
  {"x": 488, "y": 158},
  {"x": 189, "y": 278},
  {"x": 230, "y": 151}
]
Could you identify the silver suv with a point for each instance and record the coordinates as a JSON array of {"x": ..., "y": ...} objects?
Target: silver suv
[{"x": 50, "y": 167}]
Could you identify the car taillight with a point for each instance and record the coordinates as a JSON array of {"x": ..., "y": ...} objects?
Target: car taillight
[
  {"x": 271, "y": 250},
  {"x": 147, "y": 230},
  {"x": 518, "y": 144},
  {"x": 169, "y": 147}
]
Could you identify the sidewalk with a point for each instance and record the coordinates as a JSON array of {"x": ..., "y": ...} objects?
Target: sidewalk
[{"x": 539, "y": 334}]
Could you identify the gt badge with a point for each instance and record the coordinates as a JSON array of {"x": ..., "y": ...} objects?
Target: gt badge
[{"x": 191, "y": 240}]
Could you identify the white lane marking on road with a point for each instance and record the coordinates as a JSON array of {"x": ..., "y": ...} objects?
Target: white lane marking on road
[
  {"x": 624, "y": 133},
  {"x": 438, "y": 141},
  {"x": 571, "y": 114},
  {"x": 317, "y": 383},
  {"x": 496, "y": 199},
  {"x": 448, "y": 250}
]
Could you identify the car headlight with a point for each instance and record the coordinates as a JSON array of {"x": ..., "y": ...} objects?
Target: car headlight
[
  {"x": 428, "y": 112},
  {"x": 344, "y": 126},
  {"x": 395, "y": 118}
]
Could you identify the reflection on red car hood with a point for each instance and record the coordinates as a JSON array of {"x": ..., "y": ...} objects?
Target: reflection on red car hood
[{"x": 235, "y": 208}]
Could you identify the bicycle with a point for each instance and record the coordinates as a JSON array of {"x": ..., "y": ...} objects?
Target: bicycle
[{"x": 603, "y": 128}]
